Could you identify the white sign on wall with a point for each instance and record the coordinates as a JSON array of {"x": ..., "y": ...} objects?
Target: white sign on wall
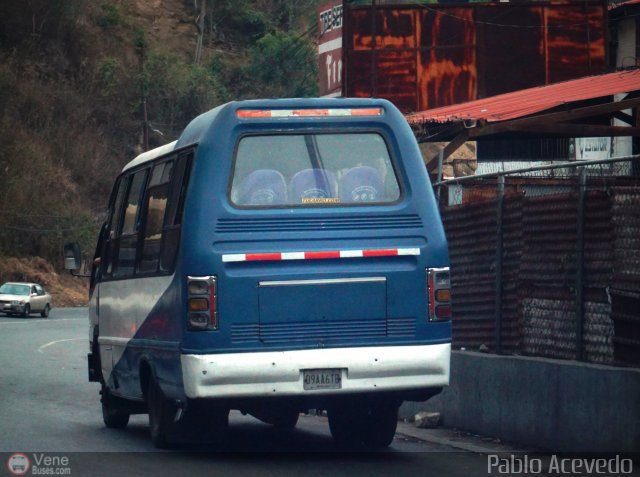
[
  {"x": 330, "y": 48},
  {"x": 593, "y": 148}
]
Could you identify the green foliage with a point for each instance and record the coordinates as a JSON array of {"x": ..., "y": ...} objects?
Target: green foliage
[
  {"x": 283, "y": 65},
  {"x": 108, "y": 73},
  {"x": 238, "y": 19},
  {"x": 216, "y": 66},
  {"x": 109, "y": 17},
  {"x": 177, "y": 91},
  {"x": 287, "y": 13},
  {"x": 140, "y": 41}
]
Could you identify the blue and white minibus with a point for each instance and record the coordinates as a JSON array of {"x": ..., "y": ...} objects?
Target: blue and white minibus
[{"x": 280, "y": 256}]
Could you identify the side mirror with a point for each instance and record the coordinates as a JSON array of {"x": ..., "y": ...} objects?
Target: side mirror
[{"x": 72, "y": 256}]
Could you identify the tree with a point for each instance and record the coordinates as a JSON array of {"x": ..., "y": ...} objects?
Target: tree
[{"x": 283, "y": 65}]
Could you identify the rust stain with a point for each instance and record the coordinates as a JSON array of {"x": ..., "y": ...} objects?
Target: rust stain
[
  {"x": 423, "y": 57},
  {"x": 398, "y": 29},
  {"x": 447, "y": 68},
  {"x": 361, "y": 38}
]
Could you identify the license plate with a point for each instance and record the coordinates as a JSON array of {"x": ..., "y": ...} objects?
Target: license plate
[{"x": 322, "y": 379}]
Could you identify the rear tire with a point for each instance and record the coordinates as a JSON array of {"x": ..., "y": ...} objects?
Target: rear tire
[
  {"x": 345, "y": 423},
  {"x": 161, "y": 416},
  {"x": 370, "y": 423},
  {"x": 27, "y": 311},
  {"x": 380, "y": 425},
  {"x": 45, "y": 312},
  {"x": 113, "y": 418}
]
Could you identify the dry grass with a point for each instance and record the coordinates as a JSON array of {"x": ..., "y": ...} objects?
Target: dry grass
[{"x": 66, "y": 290}]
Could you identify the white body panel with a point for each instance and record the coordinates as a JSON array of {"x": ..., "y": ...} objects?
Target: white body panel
[
  {"x": 123, "y": 306},
  {"x": 150, "y": 155},
  {"x": 384, "y": 368}
]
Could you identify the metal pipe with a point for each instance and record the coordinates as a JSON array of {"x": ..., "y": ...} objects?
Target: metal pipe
[
  {"x": 499, "y": 249},
  {"x": 439, "y": 176},
  {"x": 374, "y": 56},
  {"x": 582, "y": 189},
  {"x": 561, "y": 165}
]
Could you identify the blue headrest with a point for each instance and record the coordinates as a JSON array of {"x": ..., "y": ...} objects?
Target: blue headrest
[
  {"x": 361, "y": 184},
  {"x": 262, "y": 187},
  {"x": 313, "y": 184}
]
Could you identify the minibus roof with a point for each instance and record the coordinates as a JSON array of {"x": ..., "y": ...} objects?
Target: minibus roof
[
  {"x": 150, "y": 155},
  {"x": 278, "y": 109}
]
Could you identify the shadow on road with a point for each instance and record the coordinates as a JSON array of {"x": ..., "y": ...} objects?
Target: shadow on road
[{"x": 251, "y": 436}]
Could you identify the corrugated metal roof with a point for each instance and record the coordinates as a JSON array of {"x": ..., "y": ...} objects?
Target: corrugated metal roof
[{"x": 533, "y": 100}]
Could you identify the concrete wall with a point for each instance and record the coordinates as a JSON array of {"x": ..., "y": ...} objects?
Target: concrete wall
[{"x": 548, "y": 404}]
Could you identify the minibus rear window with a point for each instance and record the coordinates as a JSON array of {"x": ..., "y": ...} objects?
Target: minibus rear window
[{"x": 303, "y": 170}]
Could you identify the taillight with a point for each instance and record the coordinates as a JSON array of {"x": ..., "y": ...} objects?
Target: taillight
[
  {"x": 202, "y": 301},
  {"x": 439, "y": 294}
]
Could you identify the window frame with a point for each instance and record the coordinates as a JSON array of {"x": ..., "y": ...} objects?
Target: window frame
[
  {"x": 174, "y": 215},
  {"x": 135, "y": 235},
  {"x": 328, "y": 131},
  {"x": 145, "y": 210},
  {"x": 120, "y": 190},
  {"x": 183, "y": 164}
]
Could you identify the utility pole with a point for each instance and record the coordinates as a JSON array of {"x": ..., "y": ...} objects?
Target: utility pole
[
  {"x": 143, "y": 96},
  {"x": 200, "y": 25}
]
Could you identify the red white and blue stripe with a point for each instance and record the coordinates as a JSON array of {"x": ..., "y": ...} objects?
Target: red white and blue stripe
[{"x": 319, "y": 255}]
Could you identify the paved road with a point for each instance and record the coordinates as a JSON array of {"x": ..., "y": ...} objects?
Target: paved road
[{"x": 49, "y": 409}]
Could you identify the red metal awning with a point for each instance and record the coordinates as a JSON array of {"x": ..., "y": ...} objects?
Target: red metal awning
[
  {"x": 532, "y": 100},
  {"x": 613, "y": 6}
]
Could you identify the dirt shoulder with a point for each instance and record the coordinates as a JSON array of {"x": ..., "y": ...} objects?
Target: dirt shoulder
[{"x": 65, "y": 289}]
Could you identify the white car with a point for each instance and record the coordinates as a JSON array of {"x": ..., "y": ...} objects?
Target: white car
[{"x": 24, "y": 298}]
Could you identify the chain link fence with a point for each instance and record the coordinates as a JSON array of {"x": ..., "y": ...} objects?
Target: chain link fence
[{"x": 545, "y": 259}]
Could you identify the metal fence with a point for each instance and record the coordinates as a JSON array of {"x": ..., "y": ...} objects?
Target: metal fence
[{"x": 545, "y": 260}]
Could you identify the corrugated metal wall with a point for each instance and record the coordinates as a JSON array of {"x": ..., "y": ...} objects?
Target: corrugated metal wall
[
  {"x": 625, "y": 290},
  {"x": 539, "y": 269},
  {"x": 513, "y": 245},
  {"x": 426, "y": 56},
  {"x": 471, "y": 231},
  {"x": 598, "y": 272}
]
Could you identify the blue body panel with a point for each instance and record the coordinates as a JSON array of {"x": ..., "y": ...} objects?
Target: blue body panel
[{"x": 215, "y": 227}]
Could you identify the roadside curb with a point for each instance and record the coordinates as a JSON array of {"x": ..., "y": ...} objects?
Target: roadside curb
[{"x": 460, "y": 440}]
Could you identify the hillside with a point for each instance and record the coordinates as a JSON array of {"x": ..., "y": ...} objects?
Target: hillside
[{"x": 75, "y": 77}]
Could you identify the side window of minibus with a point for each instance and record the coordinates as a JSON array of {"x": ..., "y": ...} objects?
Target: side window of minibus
[
  {"x": 156, "y": 206},
  {"x": 173, "y": 216},
  {"x": 112, "y": 226},
  {"x": 126, "y": 244}
]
